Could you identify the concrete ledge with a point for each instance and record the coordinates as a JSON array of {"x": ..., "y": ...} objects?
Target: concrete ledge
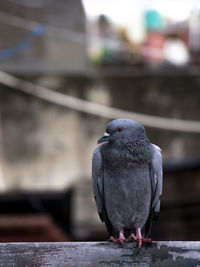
[{"x": 173, "y": 253}]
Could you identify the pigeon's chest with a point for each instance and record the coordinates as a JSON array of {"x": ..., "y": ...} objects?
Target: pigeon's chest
[
  {"x": 127, "y": 187},
  {"x": 127, "y": 178}
]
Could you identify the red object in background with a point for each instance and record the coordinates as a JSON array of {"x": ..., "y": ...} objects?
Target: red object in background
[
  {"x": 30, "y": 228},
  {"x": 152, "y": 49}
]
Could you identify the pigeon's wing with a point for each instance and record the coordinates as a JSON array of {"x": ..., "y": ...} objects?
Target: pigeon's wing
[
  {"x": 97, "y": 181},
  {"x": 156, "y": 177},
  {"x": 98, "y": 187}
]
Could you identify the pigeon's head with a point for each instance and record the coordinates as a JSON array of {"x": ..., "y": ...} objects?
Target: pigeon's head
[{"x": 124, "y": 132}]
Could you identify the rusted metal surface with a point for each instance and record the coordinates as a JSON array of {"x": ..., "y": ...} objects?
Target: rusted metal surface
[{"x": 173, "y": 253}]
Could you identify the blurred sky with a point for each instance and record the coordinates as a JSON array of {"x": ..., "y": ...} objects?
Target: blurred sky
[
  {"x": 129, "y": 12},
  {"x": 120, "y": 10}
]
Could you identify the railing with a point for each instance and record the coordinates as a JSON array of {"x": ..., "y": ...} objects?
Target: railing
[{"x": 163, "y": 253}]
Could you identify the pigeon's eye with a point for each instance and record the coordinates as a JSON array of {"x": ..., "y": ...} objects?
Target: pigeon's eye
[{"x": 120, "y": 129}]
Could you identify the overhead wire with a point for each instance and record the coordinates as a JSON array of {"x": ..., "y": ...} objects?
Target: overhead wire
[
  {"x": 29, "y": 25},
  {"x": 23, "y": 45},
  {"x": 95, "y": 108}
]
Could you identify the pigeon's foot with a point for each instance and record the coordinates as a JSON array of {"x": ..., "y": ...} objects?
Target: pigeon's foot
[
  {"x": 138, "y": 238},
  {"x": 121, "y": 238}
]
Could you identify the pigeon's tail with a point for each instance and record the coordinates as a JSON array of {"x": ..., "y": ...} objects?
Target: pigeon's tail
[
  {"x": 104, "y": 218},
  {"x": 153, "y": 216}
]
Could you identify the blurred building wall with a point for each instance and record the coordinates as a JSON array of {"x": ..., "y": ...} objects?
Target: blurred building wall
[
  {"x": 42, "y": 38},
  {"x": 45, "y": 146}
]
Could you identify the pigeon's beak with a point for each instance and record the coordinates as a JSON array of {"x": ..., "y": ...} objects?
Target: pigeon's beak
[{"x": 104, "y": 138}]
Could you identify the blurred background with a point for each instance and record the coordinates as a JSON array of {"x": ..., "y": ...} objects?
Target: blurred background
[{"x": 62, "y": 63}]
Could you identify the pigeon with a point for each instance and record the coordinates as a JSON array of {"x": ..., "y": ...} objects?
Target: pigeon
[{"x": 127, "y": 181}]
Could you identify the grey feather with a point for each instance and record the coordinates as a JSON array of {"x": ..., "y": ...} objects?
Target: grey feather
[
  {"x": 97, "y": 181},
  {"x": 98, "y": 188},
  {"x": 127, "y": 178},
  {"x": 156, "y": 178}
]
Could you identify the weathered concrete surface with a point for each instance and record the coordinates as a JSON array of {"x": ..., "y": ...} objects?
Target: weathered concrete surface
[
  {"x": 165, "y": 254},
  {"x": 45, "y": 146}
]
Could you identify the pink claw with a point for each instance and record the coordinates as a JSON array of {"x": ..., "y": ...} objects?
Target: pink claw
[
  {"x": 138, "y": 238},
  {"x": 121, "y": 238},
  {"x": 141, "y": 239}
]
